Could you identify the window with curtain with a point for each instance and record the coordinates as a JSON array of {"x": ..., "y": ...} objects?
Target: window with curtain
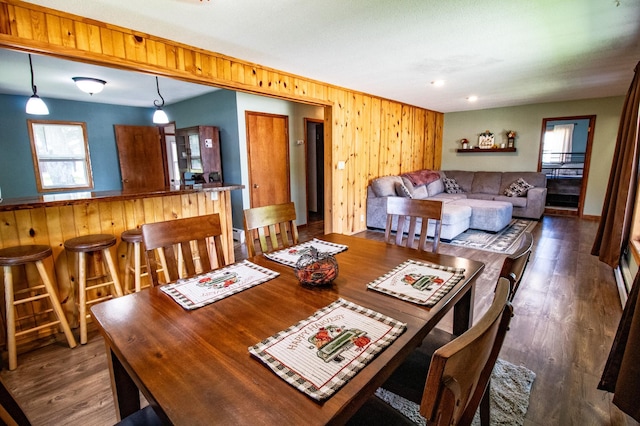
[{"x": 558, "y": 144}]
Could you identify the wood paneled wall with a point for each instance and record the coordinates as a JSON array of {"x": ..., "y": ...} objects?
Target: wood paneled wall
[{"x": 373, "y": 136}]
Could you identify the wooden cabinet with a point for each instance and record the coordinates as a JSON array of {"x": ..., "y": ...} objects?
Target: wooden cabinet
[{"x": 199, "y": 153}]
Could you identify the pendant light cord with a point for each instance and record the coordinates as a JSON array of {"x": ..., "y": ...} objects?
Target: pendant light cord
[
  {"x": 155, "y": 102},
  {"x": 33, "y": 85}
]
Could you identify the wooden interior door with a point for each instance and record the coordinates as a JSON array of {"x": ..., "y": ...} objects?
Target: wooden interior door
[
  {"x": 268, "y": 153},
  {"x": 141, "y": 161}
]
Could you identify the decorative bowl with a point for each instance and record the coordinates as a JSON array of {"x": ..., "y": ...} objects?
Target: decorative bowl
[{"x": 316, "y": 268}]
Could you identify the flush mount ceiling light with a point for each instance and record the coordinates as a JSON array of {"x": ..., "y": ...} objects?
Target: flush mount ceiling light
[
  {"x": 437, "y": 83},
  {"x": 35, "y": 105},
  {"x": 472, "y": 98},
  {"x": 89, "y": 85},
  {"x": 159, "y": 117}
]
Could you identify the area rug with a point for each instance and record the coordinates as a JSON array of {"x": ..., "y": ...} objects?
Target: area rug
[
  {"x": 510, "y": 391},
  {"x": 505, "y": 241}
]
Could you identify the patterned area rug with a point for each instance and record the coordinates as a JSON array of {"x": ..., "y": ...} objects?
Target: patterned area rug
[
  {"x": 510, "y": 390},
  {"x": 505, "y": 241}
]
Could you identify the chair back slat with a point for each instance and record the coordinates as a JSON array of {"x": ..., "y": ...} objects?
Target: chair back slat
[
  {"x": 460, "y": 370},
  {"x": 175, "y": 241},
  {"x": 515, "y": 264},
  {"x": 272, "y": 226},
  {"x": 425, "y": 211}
]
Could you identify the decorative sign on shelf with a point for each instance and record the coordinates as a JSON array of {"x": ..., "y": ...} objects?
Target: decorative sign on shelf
[{"x": 486, "y": 140}]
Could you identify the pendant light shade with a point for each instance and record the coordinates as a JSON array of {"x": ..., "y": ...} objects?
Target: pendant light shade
[
  {"x": 35, "y": 105},
  {"x": 89, "y": 85},
  {"x": 159, "y": 117}
]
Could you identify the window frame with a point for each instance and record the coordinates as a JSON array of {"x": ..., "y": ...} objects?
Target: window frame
[{"x": 37, "y": 160}]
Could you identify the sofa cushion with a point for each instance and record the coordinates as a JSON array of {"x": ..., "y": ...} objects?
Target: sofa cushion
[
  {"x": 435, "y": 188},
  {"x": 385, "y": 186},
  {"x": 463, "y": 177},
  {"x": 451, "y": 186},
  {"x": 403, "y": 191},
  {"x": 420, "y": 192},
  {"x": 518, "y": 188},
  {"x": 486, "y": 182},
  {"x": 537, "y": 179},
  {"x": 516, "y": 201}
]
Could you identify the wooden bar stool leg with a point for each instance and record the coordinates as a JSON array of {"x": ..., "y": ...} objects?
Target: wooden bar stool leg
[
  {"x": 55, "y": 303},
  {"x": 128, "y": 266},
  {"x": 112, "y": 271},
  {"x": 11, "y": 318},
  {"x": 82, "y": 296},
  {"x": 137, "y": 267}
]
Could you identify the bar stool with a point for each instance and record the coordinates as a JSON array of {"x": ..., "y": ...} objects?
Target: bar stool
[
  {"x": 93, "y": 244},
  {"x": 133, "y": 262},
  {"x": 23, "y": 255}
]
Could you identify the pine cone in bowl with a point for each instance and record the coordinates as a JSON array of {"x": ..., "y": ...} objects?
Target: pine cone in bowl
[{"x": 316, "y": 268}]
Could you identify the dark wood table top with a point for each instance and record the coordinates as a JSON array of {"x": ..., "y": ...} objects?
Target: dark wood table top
[{"x": 195, "y": 365}]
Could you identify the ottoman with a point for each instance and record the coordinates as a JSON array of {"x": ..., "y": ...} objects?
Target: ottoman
[{"x": 487, "y": 215}]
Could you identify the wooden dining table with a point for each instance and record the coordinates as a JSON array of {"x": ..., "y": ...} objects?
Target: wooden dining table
[{"x": 194, "y": 367}]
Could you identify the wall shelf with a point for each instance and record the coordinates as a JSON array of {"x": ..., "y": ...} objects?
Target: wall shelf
[{"x": 486, "y": 150}]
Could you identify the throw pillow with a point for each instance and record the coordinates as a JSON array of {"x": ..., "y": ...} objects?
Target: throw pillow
[
  {"x": 518, "y": 188},
  {"x": 403, "y": 191},
  {"x": 451, "y": 186}
]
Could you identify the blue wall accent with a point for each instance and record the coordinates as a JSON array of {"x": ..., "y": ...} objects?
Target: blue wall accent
[
  {"x": 218, "y": 109},
  {"x": 17, "y": 178}
]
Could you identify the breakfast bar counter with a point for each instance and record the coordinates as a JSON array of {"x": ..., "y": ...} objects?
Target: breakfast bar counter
[{"x": 53, "y": 219}]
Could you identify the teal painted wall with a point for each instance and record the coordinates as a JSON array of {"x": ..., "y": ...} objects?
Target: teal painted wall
[
  {"x": 17, "y": 178},
  {"x": 526, "y": 120}
]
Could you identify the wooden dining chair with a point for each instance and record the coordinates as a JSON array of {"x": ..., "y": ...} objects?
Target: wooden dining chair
[
  {"x": 452, "y": 383},
  {"x": 184, "y": 247},
  {"x": 276, "y": 222},
  {"x": 515, "y": 264},
  {"x": 407, "y": 210}
]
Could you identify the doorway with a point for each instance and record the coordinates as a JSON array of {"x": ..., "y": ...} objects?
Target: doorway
[
  {"x": 565, "y": 152},
  {"x": 314, "y": 134}
]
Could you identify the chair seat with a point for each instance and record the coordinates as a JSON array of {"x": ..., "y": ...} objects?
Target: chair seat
[
  {"x": 89, "y": 243},
  {"x": 19, "y": 255},
  {"x": 377, "y": 412},
  {"x": 143, "y": 417}
]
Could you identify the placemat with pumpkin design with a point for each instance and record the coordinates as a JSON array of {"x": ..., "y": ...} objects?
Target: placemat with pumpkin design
[
  {"x": 320, "y": 354},
  {"x": 289, "y": 256},
  {"x": 418, "y": 282},
  {"x": 201, "y": 290}
]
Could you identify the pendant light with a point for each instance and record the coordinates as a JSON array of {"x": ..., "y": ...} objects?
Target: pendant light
[
  {"x": 159, "y": 117},
  {"x": 35, "y": 105}
]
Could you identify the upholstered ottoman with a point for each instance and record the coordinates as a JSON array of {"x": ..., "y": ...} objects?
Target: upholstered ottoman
[
  {"x": 455, "y": 220},
  {"x": 487, "y": 215}
]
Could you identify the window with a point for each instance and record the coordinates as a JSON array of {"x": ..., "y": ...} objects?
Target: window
[{"x": 60, "y": 155}]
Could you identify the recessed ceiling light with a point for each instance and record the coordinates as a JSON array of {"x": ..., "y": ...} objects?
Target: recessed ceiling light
[
  {"x": 472, "y": 98},
  {"x": 437, "y": 83}
]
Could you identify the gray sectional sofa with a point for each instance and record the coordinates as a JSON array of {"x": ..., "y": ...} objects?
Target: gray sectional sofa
[{"x": 482, "y": 204}]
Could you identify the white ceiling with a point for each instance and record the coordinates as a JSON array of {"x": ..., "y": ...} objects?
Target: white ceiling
[{"x": 506, "y": 52}]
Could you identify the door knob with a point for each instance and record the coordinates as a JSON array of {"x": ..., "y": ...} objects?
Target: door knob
[{"x": 256, "y": 186}]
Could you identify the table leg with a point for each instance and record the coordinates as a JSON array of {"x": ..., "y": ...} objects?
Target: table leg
[
  {"x": 126, "y": 396},
  {"x": 463, "y": 311}
]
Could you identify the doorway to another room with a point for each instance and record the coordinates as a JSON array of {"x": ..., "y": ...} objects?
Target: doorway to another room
[
  {"x": 314, "y": 134},
  {"x": 565, "y": 152}
]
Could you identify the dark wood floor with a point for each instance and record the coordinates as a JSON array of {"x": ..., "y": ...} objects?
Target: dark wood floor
[{"x": 566, "y": 314}]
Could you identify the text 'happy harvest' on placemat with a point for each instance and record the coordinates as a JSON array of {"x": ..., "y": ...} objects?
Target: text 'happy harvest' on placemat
[
  {"x": 418, "y": 282},
  {"x": 290, "y": 255},
  {"x": 207, "y": 288},
  {"x": 321, "y": 353}
]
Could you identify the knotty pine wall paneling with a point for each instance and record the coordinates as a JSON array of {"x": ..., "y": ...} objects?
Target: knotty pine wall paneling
[{"x": 374, "y": 136}]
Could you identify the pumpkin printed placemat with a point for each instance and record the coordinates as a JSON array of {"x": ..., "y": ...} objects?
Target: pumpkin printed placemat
[
  {"x": 198, "y": 291},
  {"x": 321, "y": 353},
  {"x": 418, "y": 282},
  {"x": 289, "y": 256}
]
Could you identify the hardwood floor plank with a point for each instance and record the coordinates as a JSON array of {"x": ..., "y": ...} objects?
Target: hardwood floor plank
[{"x": 566, "y": 314}]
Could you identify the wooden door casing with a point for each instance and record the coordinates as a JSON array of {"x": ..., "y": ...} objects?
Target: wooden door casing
[
  {"x": 268, "y": 158},
  {"x": 140, "y": 154}
]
